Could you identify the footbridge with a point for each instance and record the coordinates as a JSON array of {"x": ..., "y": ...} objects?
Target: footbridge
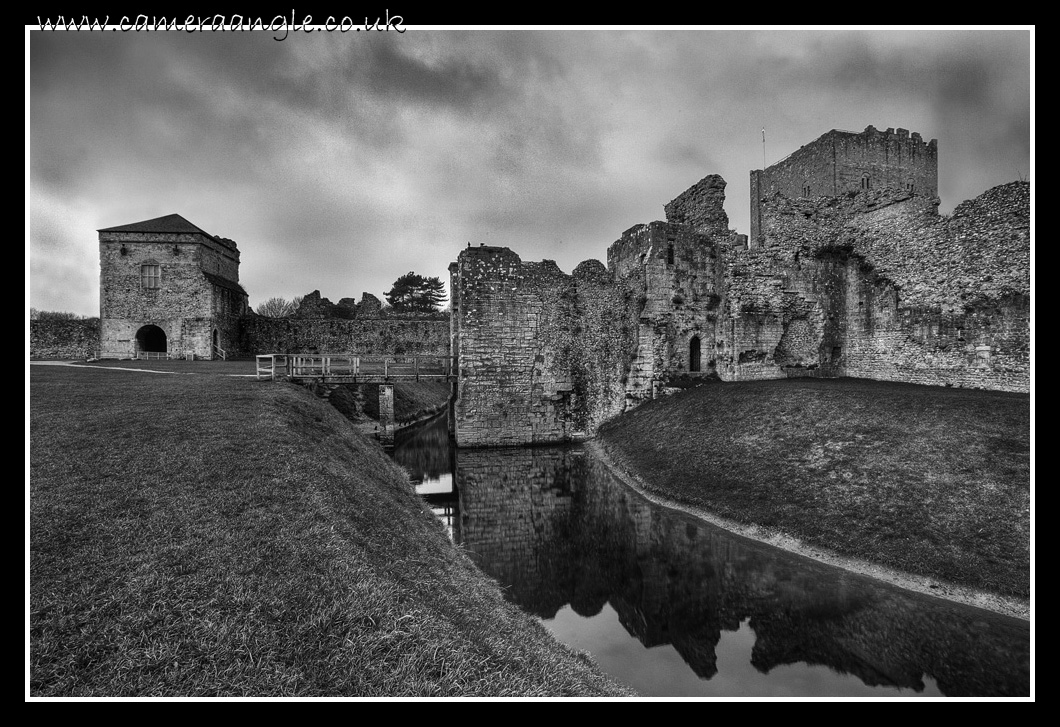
[
  {"x": 321, "y": 369},
  {"x": 345, "y": 369}
]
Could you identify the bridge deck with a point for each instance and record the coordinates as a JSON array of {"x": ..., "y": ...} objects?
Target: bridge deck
[{"x": 341, "y": 368}]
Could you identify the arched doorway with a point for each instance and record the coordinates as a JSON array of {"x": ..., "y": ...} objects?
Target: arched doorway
[
  {"x": 216, "y": 344},
  {"x": 693, "y": 354},
  {"x": 151, "y": 339}
]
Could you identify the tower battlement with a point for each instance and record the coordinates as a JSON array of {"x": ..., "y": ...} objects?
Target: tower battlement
[{"x": 841, "y": 162}]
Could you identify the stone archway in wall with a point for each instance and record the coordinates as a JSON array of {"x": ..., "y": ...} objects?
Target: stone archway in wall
[
  {"x": 695, "y": 357},
  {"x": 151, "y": 339},
  {"x": 216, "y": 344}
]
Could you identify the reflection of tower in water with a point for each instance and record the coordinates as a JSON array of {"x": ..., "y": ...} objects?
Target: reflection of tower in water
[
  {"x": 554, "y": 528},
  {"x": 425, "y": 453}
]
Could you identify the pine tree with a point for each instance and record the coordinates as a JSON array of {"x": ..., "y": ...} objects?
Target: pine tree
[{"x": 413, "y": 293}]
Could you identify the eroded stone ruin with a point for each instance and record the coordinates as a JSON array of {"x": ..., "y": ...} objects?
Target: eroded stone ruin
[{"x": 849, "y": 271}]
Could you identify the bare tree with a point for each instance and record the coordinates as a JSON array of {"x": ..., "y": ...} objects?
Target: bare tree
[{"x": 278, "y": 307}]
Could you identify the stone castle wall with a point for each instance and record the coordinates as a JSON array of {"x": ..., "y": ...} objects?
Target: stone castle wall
[
  {"x": 701, "y": 206},
  {"x": 80, "y": 339},
  {"x": 673, "y": 272},
  {"x": 59, "y": 339},
  {"x": 871, "y": 284},
  {"x": 543, "y": 356},
  {"x": 845, "y": 161},
  {"x": 888, "y": 290},
  {"x": 359, "y": 336}
]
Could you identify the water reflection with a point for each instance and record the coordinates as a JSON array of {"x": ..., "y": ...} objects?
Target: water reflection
[
  {"x": 425, "y": 454},
  {"x": 581, "y": 551}
]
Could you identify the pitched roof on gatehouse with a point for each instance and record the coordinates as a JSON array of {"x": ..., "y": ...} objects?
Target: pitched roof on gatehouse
[{"x": 168, "y": 224}]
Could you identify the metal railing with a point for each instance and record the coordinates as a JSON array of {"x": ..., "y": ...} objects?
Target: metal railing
[{"x": 354, "y": 369}]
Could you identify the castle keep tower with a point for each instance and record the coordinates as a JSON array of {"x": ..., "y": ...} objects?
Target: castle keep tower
[
  {"x": 168, "y": 289},
  {"x": 847, "y": 161}
]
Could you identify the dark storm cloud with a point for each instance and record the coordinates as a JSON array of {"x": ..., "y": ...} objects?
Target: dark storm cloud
[
  {"x": 963, "y": 73},
  {"x": 338, "y": 162},
  {"x": 681, "y": 152},
  {"x": 453, "y": 82}
]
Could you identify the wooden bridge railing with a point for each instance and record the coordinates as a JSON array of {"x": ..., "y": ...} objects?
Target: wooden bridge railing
[{"x": 354, "y": 369}]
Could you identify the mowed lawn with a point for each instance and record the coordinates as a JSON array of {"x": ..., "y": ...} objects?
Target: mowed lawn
[
  {"x": 929, "y": 480},
  {"x": 204, "y": 535}
]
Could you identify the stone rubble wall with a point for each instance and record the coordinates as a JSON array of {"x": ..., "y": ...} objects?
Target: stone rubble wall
[
  {"x": 673, "y": 272},
  {"x": 255, "y": 334},
  {"x": 701, "y": 206},
  {"x": 543, "y": 355},
  {"x": 845, "y": 161},
  {"x": 872, "y": 284},
  {"x": 59, "y": 339},
  {"x": 359, "y": 336},
  {"x": 895, "y": 291}
]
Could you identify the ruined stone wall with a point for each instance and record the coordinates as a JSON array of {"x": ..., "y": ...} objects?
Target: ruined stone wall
[
  {"x": 844, "y": 161},
  {"x": 543, "y": 355},
  {"x": 783, "y": 314},
  {"x": 887, "y": 289},
  {"x": 948, "y": 298},
  {"x": 364, "y": 336},
  {"x": 673, "y": 272},
  {"x": 59, "y": 339},
  {"x": 702, "y": 206},
  {"x": 871, "y": 284}
]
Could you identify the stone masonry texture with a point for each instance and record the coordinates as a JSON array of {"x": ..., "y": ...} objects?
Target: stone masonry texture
[
  {"x": 59, "y": 339},
  {"x": 847, "y": 161},
  {"x": 851, "y": 272},
  {"x": 194, "y": 306}
]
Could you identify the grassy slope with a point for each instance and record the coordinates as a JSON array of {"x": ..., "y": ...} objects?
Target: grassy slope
[
  {"x": 412, "y": 399},
  {"x": 205, "y": 535},
  {"x": 929, "y": 480}
]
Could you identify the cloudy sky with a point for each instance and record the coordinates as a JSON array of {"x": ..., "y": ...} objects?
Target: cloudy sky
[{"x": 339, "y": 161}]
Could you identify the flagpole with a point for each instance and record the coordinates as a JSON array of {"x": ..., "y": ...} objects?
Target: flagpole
[{"x": 763, "y": 147}]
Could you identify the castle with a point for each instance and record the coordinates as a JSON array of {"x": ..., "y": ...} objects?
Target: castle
[
  {"x": 847, "y": 161},
  {"x": 170, "y": 289},
  {"x": 849, "y": 271}
]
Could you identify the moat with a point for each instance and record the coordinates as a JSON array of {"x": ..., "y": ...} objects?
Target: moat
[{"x": 676, "y": 607}]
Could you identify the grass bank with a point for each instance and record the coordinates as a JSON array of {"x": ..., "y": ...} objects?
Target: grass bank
[
  {"x": 196, "y": 535},
  {"x": 413, "y": 400},
  {"x": 931, "y": 481}
]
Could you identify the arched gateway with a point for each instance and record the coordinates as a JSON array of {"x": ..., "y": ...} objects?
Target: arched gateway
[{"x": 151, "y": 339}]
